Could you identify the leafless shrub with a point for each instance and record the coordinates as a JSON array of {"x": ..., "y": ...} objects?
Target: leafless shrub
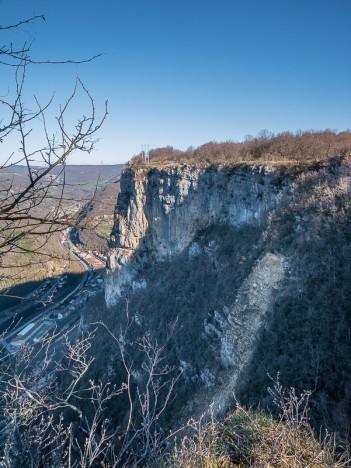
[
  {"x": 282, "y": 148},
  {"x": 54, "y": 413},
  {"x": 251, "y": 438}
]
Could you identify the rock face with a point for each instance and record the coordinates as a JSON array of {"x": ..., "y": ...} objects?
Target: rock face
[
  {"x": 241, "y": 322},
  {"x": 159, "y": 211},
  {"x": 235, "y": 270}
]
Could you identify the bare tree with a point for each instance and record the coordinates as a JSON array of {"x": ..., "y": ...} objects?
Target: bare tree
[
  {"x": 55, "y": 414},
  {"x": 33, "y": 210}
]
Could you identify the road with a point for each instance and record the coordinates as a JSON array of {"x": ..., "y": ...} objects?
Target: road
[{"x": 60, "y": 290}]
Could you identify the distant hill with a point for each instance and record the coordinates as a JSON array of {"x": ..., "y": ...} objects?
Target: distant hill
[
  {"x": 74, "y": 174},
  {"x": 83, "y": 186},
  {"x": 83, "y": 174},
  {"x": 81, "y": 181},
  {"x": 96, "y": 218}
]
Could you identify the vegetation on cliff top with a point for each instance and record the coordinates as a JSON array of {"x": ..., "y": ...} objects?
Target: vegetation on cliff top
[{"x": 266, "y": 147}]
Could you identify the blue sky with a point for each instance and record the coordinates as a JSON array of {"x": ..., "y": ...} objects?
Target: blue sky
[{"x": 183, "y": 73}]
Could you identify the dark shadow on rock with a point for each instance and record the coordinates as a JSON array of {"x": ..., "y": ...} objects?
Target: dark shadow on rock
[
  {"x": 21, "y": 310},
  {"x": 307, "y": 337},
  {"x": 173, "y": 298}
]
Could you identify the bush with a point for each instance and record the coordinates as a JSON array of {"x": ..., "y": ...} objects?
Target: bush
[
  {"x": 254, "y": 438},
  {"x": 282, "y": 148}
]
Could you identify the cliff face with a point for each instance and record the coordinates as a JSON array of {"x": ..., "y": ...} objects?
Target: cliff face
[
  {"x": 218, "y": 287},
  {"x": 237, "y": 271},
  {"x": 159, "y": 211}
]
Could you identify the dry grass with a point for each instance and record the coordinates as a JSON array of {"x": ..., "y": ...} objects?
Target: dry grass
[
  {"x": 36, "y": 260},
  {"x": 248, "y": 438},
  {"x": 255, "y": 439}
]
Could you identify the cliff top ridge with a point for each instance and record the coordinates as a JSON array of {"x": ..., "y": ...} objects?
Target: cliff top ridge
[{"x": 282, "y": 149}]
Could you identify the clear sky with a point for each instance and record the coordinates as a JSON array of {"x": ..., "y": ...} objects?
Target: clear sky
[{"x": 187, "y": 72}]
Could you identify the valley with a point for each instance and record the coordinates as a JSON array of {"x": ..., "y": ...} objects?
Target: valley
[
  {"x": 197, "y": 286},
  {"x": 54, "y": 306},
  {"x": 183, "y": 306},
  {"x": 51, "y": 301}
]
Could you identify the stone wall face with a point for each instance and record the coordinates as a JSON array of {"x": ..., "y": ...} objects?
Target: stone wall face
[{"x": 158, "y": 212}]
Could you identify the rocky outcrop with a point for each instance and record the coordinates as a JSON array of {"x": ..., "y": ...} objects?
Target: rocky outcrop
[{"x": 159, "y": 211}]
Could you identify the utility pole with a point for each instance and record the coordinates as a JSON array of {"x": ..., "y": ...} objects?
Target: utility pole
[{"x": 145, "y": 153}]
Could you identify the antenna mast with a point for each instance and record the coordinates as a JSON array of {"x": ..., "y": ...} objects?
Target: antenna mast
[{"x": 145, "y": 153}]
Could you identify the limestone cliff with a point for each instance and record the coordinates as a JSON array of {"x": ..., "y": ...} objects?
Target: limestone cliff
[
  {"x": 159, "y": 211},
  {"x": 237, "y": 270},
  {"x": 159, "y": 216}
]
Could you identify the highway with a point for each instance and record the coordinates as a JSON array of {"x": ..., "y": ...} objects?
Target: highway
[{"x": 55, "y": 291}]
